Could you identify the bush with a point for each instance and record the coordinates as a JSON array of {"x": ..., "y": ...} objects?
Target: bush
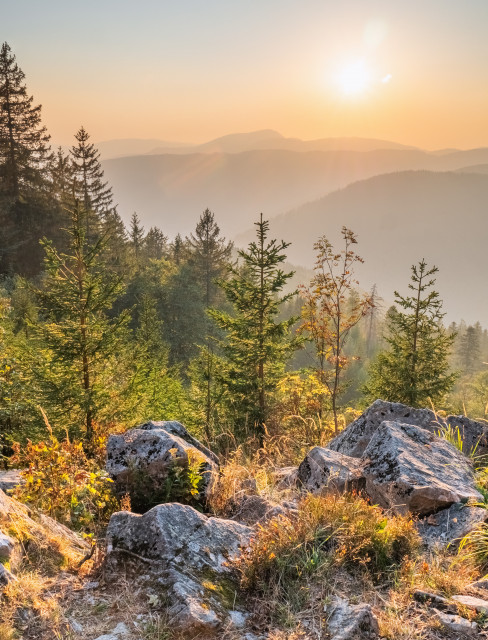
[
  {"x": 327, "y": 531},
  {"x": 60, "y": 481}
]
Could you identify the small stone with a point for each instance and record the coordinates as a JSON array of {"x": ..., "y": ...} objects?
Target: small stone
[
  {"x": 91, "y": 585},
  {"x": 480, "y": 584},
  {"x": 455, "y": 623},
  {"x": 7, "y": 546},
  {"x": 75, "y": 626},
  {"x": 121, "y": 629},
  {"x": 5, "y": 576},
  {"x": 479, "y": 605},
  {"x": 430, "y": 598},
  {"x": 238, "y": 618},
  {"x": 351, "y": 622}
]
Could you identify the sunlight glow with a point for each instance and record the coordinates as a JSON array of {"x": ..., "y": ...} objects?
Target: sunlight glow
[{"x": 354, "y": 78}]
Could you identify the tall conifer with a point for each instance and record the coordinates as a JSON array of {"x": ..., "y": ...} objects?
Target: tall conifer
[{"x": 257, "y": 344}]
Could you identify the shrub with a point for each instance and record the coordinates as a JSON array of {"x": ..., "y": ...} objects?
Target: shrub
[
  {"x": 327, "y": 531},
  {"x": 60, "y": 481}
]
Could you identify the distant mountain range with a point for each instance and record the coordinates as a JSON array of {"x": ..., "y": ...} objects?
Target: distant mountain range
[
  {"x": 404, "y": 203},
  {"x": 239, "y": 142},
  {"x": 171, "y": 190},
  {"x": 401, "y": 218}
]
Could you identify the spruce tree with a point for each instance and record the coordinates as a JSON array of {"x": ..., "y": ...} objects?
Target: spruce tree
[
  {"x": 209, "y": 255},
  {"x": 24, "y": 142},
  {"x": 415, "y": 368},
  {"x": 155, "y": 244},
  {"x": 136, "y": 236},
  {"x": 25, "y": 211},
  {"x": 257, "y": 345},
  {"x": 76, "y": 336},
  {"x": 89, "y": 187}
]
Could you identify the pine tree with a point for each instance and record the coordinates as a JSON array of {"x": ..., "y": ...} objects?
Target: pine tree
[
  {"x": 257, "y": 345},
  {"x": 136, "y": 236},
  {"x": 331, "y": 310},
  {"x": 77, "y": 337},
  {"x": 24, "y": 142},
  {"x": 468, "y": 350},
  {"x": 209, "y": 255},
  {"x": 155, "y": 244},
  {"x": 25, "y": 212},
  {"x": 89, "y": 187},
  {"x": 414, "y": 369}
]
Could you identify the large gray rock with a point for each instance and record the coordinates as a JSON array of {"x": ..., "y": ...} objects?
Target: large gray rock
[
  {"x": 474, "y": 434},
  {"x": 351, "y": 622},
  {"x": 143, "y": 462},
  {"x": 450, "y": 525},
  {"x": 190, "y": 554},
  {"x": 325, "y": 470},
  {"x": 355, "y": 438},
  {"x": 410, "y": 469}
]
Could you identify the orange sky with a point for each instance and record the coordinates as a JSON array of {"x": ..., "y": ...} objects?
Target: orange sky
[{"x": 196, "y": 70}]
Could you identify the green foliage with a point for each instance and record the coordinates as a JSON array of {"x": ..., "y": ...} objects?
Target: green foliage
[
  {"x": 76, "y": 336},
  {"x": 257, "y": 345},
  {"x": 183, "y": 483},
  {"x": 327, "y": 532},
  {"x": 59, "y": 480},
  {"x": 415, "y": 368}
]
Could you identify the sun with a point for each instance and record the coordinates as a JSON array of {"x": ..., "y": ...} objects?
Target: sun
[{"x": 355, "y": 78}]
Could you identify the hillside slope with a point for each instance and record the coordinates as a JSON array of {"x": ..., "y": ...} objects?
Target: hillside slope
[
  {"x": 171, "y": 190},
  {"x": 401, "y": 218}
]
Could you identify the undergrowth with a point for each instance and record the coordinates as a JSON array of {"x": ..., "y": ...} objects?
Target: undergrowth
[{"x": 327, "y": 532}]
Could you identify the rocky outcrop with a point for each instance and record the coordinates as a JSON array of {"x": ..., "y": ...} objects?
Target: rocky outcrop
[
  {"x": 450, "y": 525},
  {"x": 351, "y": 622},
  {"x": 355, "y": 438},
  {"x": 18, "y": 521},
  {"x": 325, "y": 470},
  {"x": 191, "y": 555},
  {"x": 145, "y": 462},
  {"x": 408, "y": 468}
]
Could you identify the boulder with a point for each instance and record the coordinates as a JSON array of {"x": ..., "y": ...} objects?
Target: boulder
[
  {"x": 285, "y": 478},
  {"x": 474, "y": 434},
  {"x": 408, "y": 468},
  {"x": 355, "y": 438},
  {"x": 251, "y": 510},
  {"x": 147, "y": 463},
  {"x": 351, "y": 622},
  {"x": 325, "y": 470},
  {"x": 40, "y": 530},
  {"x": 450, "y": 525},
  {"x": 190, "y": 554}
]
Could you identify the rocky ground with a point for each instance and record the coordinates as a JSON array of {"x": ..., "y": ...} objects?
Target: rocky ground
[{"x": 304, "y": 554}]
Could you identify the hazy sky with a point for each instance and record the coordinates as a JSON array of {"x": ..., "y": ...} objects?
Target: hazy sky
[{"x": 413, "y": 71}]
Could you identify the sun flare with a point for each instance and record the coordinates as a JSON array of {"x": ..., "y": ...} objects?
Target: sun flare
[{"x": 354, "y": 78}]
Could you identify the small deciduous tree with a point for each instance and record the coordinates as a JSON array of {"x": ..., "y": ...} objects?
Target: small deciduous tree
[
  {"x": 330, "y": 312},
  {"x": 415, "y": 367}
]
